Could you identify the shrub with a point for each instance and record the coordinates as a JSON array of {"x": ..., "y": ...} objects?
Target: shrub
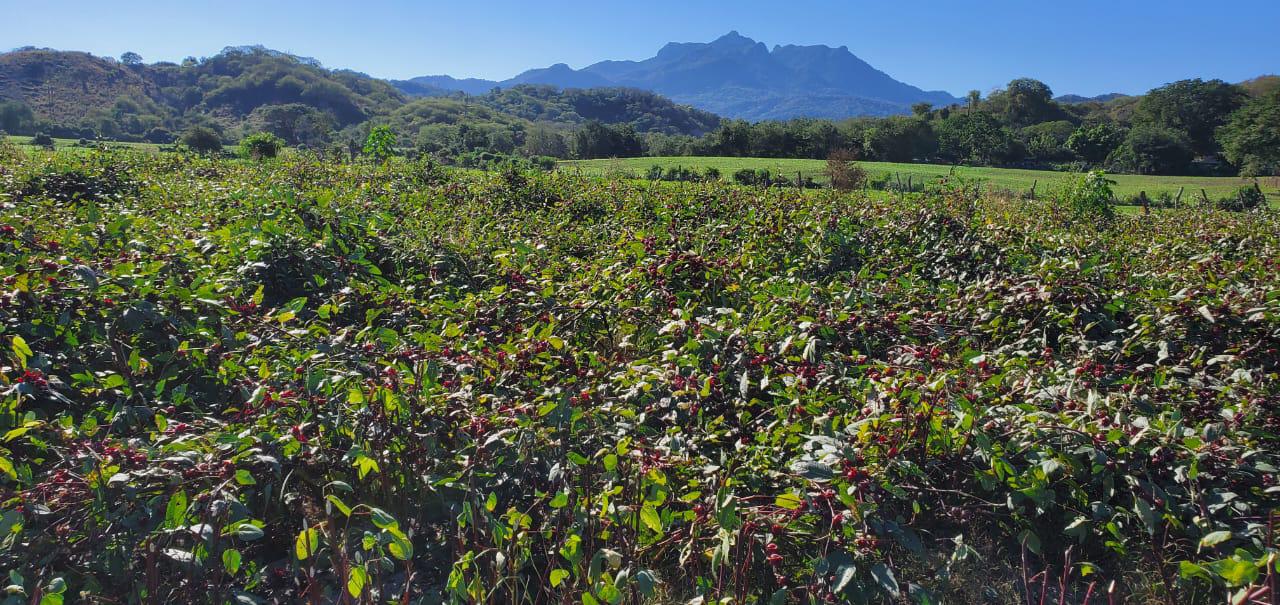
[
  {"x": 159, "y": 136},
  {"x": 746, "y": 176},
  {"x": 380, "y": 144},
  {"x": 202, "y": 140},
  {"x": 261, "y": 146},
  {"x": 711, "y": 174},
  {"x": 42, "y": 140},
  {"x": 844, "y": 171},
  {"x": 1245, "y": 198},
  {"x": 77, "y": 182},
  {"x": 543, "y": 162},
  {"x": 1087, "y": 198}
]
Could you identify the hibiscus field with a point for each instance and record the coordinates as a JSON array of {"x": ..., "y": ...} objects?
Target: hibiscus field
[{"x": 303, "y": 381}]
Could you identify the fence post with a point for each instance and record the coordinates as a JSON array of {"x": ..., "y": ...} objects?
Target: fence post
[
  {"x": 1177, "y": 202},
  {"x": 1034, "y": 184}
]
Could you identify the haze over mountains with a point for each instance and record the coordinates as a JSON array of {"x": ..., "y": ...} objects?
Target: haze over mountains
[{"x": 733, "y": 76}]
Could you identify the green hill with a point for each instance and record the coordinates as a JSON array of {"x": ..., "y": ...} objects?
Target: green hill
[{"x": 248, "y": 89}]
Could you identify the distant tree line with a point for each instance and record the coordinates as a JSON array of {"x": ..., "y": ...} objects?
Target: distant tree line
[{"x": 1184, "y": 127}]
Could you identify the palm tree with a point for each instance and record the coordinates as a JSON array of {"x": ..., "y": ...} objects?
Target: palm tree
[{"x": 974, "y": 97}]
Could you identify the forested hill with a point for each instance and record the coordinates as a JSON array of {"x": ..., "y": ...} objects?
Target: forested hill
[{"x": 249, "y": 89}]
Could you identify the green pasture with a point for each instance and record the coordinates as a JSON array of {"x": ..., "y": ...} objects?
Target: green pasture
[{"x": 1006, "y": 178}]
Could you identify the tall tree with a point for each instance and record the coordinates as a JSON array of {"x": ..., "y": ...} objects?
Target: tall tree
[
  {"x": 973, "y": 98},
  {"x": 1251, "y": 140},
  {"x": 976, "y": 138},
  {"x": 1151, "y": 149},
  {"x": 1094, "y": 143},
  {"x": 1024, "y": 102},
  {"x": 1195, "y": 107}
]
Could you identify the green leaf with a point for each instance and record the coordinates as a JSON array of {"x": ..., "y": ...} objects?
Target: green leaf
[
  {"x": 231, "y": 561},
  {"x": 365, "y": 465},
  {"x": 813, "y": 471},
  {"x": 647, "y": 582},
  {"x": 884, "y": 576},
  {"x": 244, "y": 477},
  {"x": 1189, "y": 570},
  {"x": 382, "y": 518},
  {"x": 175, "y": 514},
  {"x": 248, "y": 532},
  {"x": 307, "y": 543},
  {"x": 1236, "y": 572},
  {"x": 558, "y": 576},
  {"x": 1030, "y": 540},
  {"x": 560, "y": 500},
  {"x": 341, "y": 486},
  {"x": 6, "y": 466},
  {"x": 649, "y": 516},
  {"x": 1214, "y": 539},
  {"x": 788, "y": 501},
  {"x": 400, "y": 546},
  {"x": 339, "y": 504},
  {"x": 21, "y": 350},
  {"x": 1147, "y": 514},
  {"x": 357, "y": 578},
  {"x": 844, "y": 577}
]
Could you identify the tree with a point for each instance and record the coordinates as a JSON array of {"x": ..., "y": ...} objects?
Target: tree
[
  {"x": 16, "y": 117},
  {"x": 1047, "y": 141},
  {"x": 202, "y": 140},
  {"x": 1195, "y": 107},
  {"x": 597, "y": 140},
  {"x": 1025, "y": 101},
  {"x": 976, "y": 138},
  {"x": 1094, "y": 143},
  {"x": 541, "y": 140},
  {"x": 972, "y": 99},
  {"x": 261, "y": 146},
  {"x": 922, "y": 109},
  {"x": 131, "y": 59},
  {"x": 900, "y": 139},
  {"x": 380, "y": 144},
  {"x": 1251, "y": 140},
  {"x": 1150, "y": 149},
  {"x": 296, "y": 123}
]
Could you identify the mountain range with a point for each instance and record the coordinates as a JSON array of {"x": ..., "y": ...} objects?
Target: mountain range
[{"x": 732, "y": 76}]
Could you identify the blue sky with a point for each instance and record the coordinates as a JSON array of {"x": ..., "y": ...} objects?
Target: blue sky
[{"x": 1085, "y": 46}]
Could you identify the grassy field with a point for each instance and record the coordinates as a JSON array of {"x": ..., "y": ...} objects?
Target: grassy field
[
  {"x": 1008, "y": 178},
  {"x": 22, "y": 141},
  {"x": 74, "y": 145}
]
